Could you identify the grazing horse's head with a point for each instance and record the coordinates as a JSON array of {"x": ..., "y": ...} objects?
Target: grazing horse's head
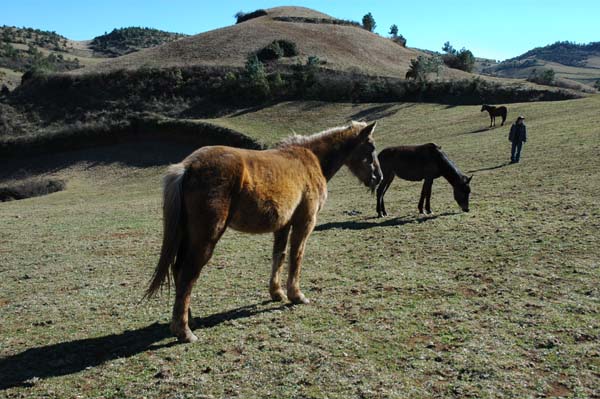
[
  {"x": 462, "y": 190},
  {"x": 363, "y": 162}
]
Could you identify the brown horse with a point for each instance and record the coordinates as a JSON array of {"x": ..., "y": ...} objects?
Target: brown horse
[
  {"x": 421, "y": 162},
  {"x": 271, "y": 191},
  {"x": 494, "y": 112}
]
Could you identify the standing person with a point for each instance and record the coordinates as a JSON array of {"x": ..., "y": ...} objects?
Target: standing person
[{"x": 517, "y": 136}]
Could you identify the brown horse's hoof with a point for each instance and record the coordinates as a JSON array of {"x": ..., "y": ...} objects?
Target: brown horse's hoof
[
  {"x": 184, "y": 335},
  {"x": 187, "y": 338},
  {"x": 278, "y": 296},
  {"x": 298, "y": 300}
]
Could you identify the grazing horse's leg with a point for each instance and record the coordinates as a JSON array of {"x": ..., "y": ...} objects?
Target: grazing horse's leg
[
  {"x": 281, "y": 239},
  {"x": 428, "y": 183},
  {"x": 423, "y": 195},
  {"x": 300, "y": 232},
  {"x": 381, "y": 190}
]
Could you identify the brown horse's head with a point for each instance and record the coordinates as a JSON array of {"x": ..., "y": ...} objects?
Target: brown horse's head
[
  {"x": 483, "y": 107},
  {"x": 363, "y": 162},
  {"x": 462, "y": 190}
]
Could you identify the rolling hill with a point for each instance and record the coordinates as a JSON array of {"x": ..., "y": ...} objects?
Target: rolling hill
[
  {"x": 23, "y": 49},
  {"x": 342, "y": 47},
  {"x": 576, "y": 62}
]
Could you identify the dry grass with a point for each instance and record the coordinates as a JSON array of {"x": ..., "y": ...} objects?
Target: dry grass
[
  {"x": 344, "y": 48},
  {"x": 501, "y": 302}
]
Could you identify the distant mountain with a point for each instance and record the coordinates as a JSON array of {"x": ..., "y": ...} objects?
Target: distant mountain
[
  {"x": 128, "y": 40},
  {"x": 571, "y": 61},
  {"x": 566, "y": 53},
  {"x": 23, "y": 49}
]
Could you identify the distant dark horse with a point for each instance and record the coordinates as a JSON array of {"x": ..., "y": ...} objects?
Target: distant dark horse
[
  {"x": 494, "y": 112},
  {"x": 421, "y": 162}
]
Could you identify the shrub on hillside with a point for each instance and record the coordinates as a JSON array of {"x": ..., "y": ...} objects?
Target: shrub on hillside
[
  {"x": 242, "y": 16},
  {"x": 463, "y": 59},
  {"x": 277, "y": 49},
  {"x": 543, "y": 77},
  {"x": 422, "y": 66},
  {"x": 270, "y": 52},
  {"x": 368, "y": 22},
  {"x": 289, "y": 48},
  {"x": 325, "y": 21}
]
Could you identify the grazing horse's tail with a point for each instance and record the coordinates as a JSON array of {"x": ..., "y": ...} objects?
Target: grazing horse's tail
[{"x": 172, "y": 230}]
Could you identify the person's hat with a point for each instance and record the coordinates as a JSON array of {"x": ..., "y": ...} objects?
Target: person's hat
[{"x": 521, "y": 117}]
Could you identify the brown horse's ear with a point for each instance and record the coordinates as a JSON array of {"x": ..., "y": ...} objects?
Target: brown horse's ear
[
  {"x": 469, "y": 179},
  {"x": 368, "y": 131}
]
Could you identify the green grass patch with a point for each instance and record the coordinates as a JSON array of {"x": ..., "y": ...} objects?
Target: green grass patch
[{"x": 498, "y": 302}]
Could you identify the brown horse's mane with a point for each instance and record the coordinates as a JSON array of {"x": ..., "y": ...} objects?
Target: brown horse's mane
[{"x": 307, "y": 141}]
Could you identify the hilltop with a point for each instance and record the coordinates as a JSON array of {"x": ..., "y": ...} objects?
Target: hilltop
[
  {"x": 339, "y": 46},
  {"x": 128, "y": 40},
  {"x": 576, "y": 62}
]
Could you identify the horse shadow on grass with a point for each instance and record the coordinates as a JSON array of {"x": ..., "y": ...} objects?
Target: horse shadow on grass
[
  {"x": 377, "y": 222},
  {"x": 25, "y": 368}
]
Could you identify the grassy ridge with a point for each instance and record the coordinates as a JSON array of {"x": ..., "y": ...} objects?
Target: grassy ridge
[{"x": 499, "y": 302}]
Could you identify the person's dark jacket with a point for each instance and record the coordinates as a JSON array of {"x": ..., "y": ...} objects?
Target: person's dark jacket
[{"x": 518, "y": 133}]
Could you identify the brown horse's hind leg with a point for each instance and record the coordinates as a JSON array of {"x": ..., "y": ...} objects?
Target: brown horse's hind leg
[
  {"x": 181, "y": 254},
  {"x": 300, "y": 233},
  {"x": 281, "y": 239},
  {"x": 204, "y": 229}
]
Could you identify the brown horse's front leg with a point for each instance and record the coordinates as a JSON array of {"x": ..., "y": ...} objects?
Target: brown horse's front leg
[
  {"x": 300, "y": 233},
  {"x": 279, "y": 245}
]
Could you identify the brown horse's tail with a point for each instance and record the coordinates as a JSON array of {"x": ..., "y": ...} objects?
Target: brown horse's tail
[{"x": 172, "y": 227}]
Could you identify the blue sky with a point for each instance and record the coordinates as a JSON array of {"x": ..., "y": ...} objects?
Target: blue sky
[{"x": 497, "y": 29}]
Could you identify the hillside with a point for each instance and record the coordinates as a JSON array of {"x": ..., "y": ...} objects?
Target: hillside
[
  {"x": 576, "y": 62},
  {"x": 340, "y": 47},
  {"x": 23, "y": 49},
  {"x": 500, "y": 302}
]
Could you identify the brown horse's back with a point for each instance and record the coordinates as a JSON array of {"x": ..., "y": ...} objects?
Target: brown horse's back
[
  {"x": 263, "y": 188},
  {"x": 411, "y": 162}
]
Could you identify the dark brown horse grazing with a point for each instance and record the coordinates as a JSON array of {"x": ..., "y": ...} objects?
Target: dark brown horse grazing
[
  {"x": 421, "y": 162},
  {"x": 271, "y": 191},
  {"x": 494, "y": 112}
]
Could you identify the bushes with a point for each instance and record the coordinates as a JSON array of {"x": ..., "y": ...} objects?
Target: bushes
[
  {"x": 203, "y": 91},
  {"x": 31, "y": 188},
  {"x": 277, "y": 49},
  {"x": 463, "y": 59},
  {"x": 543, "y": 77},
  {"x": 289, "y": 48},
  {"x": 242, "y": 16},
  {"x": 422, "y": 66},
  {"x": 326, "y": 21}
]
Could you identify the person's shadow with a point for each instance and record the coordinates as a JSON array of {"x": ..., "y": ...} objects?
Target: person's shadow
[{"x": 73, "y": 356}]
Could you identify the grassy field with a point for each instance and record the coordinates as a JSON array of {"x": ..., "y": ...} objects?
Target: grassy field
[{"x": 501, "y": 302}]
